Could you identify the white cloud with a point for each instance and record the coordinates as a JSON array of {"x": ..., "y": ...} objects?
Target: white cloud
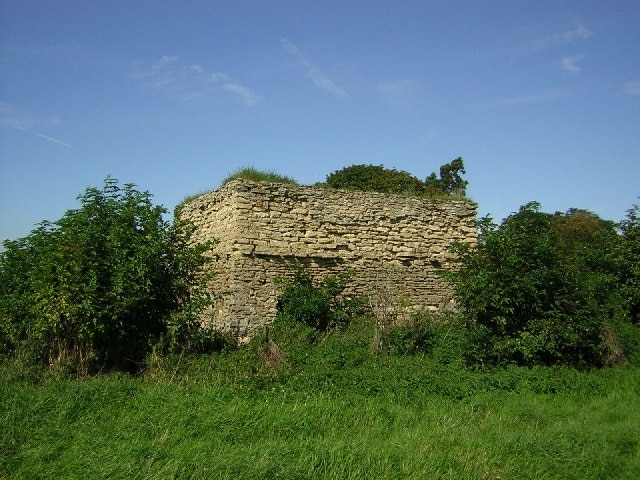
[
  {"x": 250, "y": 99},
  {"x": 316, "y": 76},
  {"x": 191, "y": 83},
  {"x": 576, "y": 34},
  {"x": 570, "y": 64},
  {"x": 632, "y": 88}
]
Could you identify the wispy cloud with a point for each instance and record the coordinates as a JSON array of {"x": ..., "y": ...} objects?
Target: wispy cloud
[
  {"x": 576, "y": 34},
  {"x": 558, "y": 39},
  {"x": 316, "y": 76},
  {"x": 192, "y": 83},
  {"x": 248, "y": 97},
  {"x": 400, "y": 92},
  {"x": 570, "y": 64},
  {"x": 14, "y": 118},
  {"x": 547, "y": 96},
  {"x": 429, "y": 135},
  {"x": 539, "y": 38},
  {"x": 632, "y": 88}
]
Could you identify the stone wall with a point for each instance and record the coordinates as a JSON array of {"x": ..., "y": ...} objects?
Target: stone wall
[{"x": 394, "y": 245}]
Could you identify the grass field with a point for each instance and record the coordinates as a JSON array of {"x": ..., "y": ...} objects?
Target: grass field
[{"x": 336, "y": 411}]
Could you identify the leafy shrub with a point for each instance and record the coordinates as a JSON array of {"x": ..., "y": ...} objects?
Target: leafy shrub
[
  {"x": 319, "y": 306},
  {"x": 97, "y": 288},
  {"x": 374, "y": 178},
  {"x": 439, "y": 337},
  {"x": 526, "y": 301},
  {"x": 409, "y": 339}
]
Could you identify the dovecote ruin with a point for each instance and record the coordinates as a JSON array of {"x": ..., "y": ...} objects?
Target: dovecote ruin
[{"x": 392, "y": 244}]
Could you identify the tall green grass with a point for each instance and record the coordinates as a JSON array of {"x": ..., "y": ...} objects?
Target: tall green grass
[
  {"x": 247, "y": 173},
  {"x": 307, "y": 405},
  {"x": 252, "y": 173}
]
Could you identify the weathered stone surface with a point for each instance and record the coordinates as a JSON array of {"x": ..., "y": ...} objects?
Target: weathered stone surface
[{"x": 382, "y": 238}]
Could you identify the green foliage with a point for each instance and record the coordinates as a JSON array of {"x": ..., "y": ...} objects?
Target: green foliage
[
  {"x": 376, "y": 178},
  {"x": 344, "y": 412},
  {"x": 628, "y": 257},
  {"x": 247, "y": 173},
  {"x": 526, "y": 299},
  {"x": 97, "y": 288},
  {"x": 438, "y": 337},
  {"x": 450, "y": 181},
  {"x": 589, "y": 245},
  {"x": 251, "y": 173},
  {"x": 411, "y": 338},
  {"x": 322, "y": 306}
]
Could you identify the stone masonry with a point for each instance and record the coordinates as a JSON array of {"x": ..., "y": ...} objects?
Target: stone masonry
[{"x": 393, "y": 245}]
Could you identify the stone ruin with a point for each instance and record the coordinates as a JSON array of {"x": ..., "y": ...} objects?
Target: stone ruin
[{"x": 393, "y": 244}]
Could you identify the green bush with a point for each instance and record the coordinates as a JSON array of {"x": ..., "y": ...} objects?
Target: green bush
[
  {"x": 525, "y": 299},
  {"x": 438, "y": 337},
  {"x": 375, "y": 178},
  {"x": 97, "y": 288},
  {"x": 319, "y": 306},
  {"x": 416, "y": 335},
  {"x": 408, "y": 340}
]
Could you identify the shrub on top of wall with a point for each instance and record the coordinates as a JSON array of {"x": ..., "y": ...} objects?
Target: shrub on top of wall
[{"x": 376, "y": 178}]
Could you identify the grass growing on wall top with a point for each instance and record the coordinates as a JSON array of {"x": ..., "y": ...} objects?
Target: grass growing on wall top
[
  {"x": 251, "y": 173},
  {"x": 246, "y": 173}
]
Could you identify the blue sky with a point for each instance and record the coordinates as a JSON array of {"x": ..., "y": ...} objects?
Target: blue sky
[{"x": 540, "y": 98}]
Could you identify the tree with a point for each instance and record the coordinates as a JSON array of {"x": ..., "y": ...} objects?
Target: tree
[
  {"x": 97, "y": 288},
  {"x": 629, "y": 263},
  {"x": 525, "y": 301},
  {"x": 450, "y": 181},
  {"x": 589, "y": 244}
]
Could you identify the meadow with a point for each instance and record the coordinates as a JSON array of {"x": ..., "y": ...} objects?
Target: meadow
[{"x": 334, "y": 409}]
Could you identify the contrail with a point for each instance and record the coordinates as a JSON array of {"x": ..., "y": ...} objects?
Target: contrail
[
  {"x": 316, "y": 76},
  {"x": 51, "y": 139}
]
